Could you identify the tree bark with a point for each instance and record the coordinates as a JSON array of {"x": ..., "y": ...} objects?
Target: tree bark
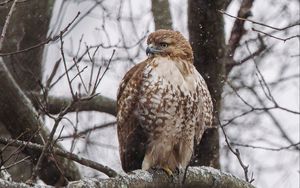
[
  {"x": 197, "y": 177},
  {"x": 56, "y": 104},
  {"x": 206, "y": 29},
  {"x": 161, "y": 14},
  {"x": 28, "y": 26}
]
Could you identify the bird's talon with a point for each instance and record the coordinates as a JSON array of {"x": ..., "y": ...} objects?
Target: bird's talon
[{"x": 168, "y": 171}]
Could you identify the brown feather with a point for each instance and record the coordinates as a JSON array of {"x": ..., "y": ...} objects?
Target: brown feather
[
  {"x": 130, "y": 135},
  {"x": 163, "y": 106}
]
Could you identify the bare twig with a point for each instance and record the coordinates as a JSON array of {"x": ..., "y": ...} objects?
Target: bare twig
[
  {"x": 86, "y": 162},
  {"x": 253, "y": 109},
  {"x": 53, "y": 72},
  {"x": 273, "y": 118},
  {"x": 79, "y": 74},
  {"x": 72, "y": 66},
  {"x": 49, "y": 141},
  {"x": 65, "y": 66},
  {"x": 16, "y": 163},
  {"x": 289, "y": 147},
  {"x": 93, "y": 65},
  {"x": 98, "y": 79},
  {"x": 48, "y": 40},
  {"x": 7, "y": 20},
  {"x": 79, "y": 46},
  {"x": 106, "y": 69},
  {"x": 81, "y": 133},
  {"x": 282, "y": 39},
  {"x": 259, "y": 23},
  {"x": 236, "y": 152},
  {"x": 61, "y": 76},
  {"x": 4, "y": 148},
  {"x": 56, "y": 120},
  {"x": 18, "y": 149},
  {"x": 84, "y": 15},
  {"x": 46, "y": 89},
  {"x": 260, "y": 49},
  {"x": 262, "y": 80},
  {"x": 5, "y": 2}
]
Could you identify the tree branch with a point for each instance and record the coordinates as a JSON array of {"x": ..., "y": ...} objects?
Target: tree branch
[
  {"x": 7, "y": 20},
  {"x": 98, "y": 103},
  {"x": 48, "y": 40},
  {"x": 200, "y": 177},
  {"x": 70, "y": 156},
  {"x": 236, "y": 152},
  {"x": 233, "y": 63},
  {"x": 238, "y": 29},
  {"x": 291, "y": 147},
  {"x": 259, "y": 23},
  {"x": 197, "y": 177},
  {"x": 278, "y": 38},
  {"x": 161, "y": 14}
]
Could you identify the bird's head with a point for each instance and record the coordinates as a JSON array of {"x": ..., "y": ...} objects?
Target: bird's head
[{"x": 168, "y": 43}]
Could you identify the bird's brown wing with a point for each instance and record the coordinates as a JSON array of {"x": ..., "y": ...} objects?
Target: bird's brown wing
[
  {"x": 132, "y": 139},
  {"x": 206, "y": 109}
]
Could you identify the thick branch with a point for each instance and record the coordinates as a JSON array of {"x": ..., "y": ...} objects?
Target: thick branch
[
  {"x": 161, "y": 14},
  {"x": 200, "y": 177},
  {"x": 56, "y": 104},
  {"x": 238, "y": 29},
  {"x": 197, "y": 177}
]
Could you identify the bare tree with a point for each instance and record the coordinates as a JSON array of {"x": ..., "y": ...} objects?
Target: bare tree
[{"x": 28, "y": 101}]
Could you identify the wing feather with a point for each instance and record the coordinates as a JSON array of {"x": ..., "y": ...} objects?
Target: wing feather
[
  {"x": 206, "y": 109},
  {"x": 132, "y": 139}
]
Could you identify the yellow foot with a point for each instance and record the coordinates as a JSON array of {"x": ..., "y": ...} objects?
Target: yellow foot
[{"x": 168, "y": 170}]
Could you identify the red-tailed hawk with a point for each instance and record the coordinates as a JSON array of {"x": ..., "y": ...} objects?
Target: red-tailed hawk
[{"x": 163, "y": 106}]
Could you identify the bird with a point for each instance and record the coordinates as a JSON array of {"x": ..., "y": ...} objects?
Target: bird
[{"x": 163, "y": 106}]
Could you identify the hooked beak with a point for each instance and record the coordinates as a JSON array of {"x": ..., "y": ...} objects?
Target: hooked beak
[{"x": 150, "y": 50}]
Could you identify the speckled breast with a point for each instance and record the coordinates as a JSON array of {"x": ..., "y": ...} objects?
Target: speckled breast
[{"x": 168, "y": 101}]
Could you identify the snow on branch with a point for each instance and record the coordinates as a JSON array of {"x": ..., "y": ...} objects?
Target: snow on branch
[{"x": 200, "y": 177}]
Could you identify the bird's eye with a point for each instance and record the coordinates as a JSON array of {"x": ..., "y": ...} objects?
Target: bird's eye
[{"x": 163, "y": 45}]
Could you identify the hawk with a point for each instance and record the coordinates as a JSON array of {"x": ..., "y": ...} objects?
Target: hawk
[{"x": 163, "y": 106}]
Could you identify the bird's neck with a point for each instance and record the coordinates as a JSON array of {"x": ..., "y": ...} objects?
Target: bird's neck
[{"x": 184, "y": 66}]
